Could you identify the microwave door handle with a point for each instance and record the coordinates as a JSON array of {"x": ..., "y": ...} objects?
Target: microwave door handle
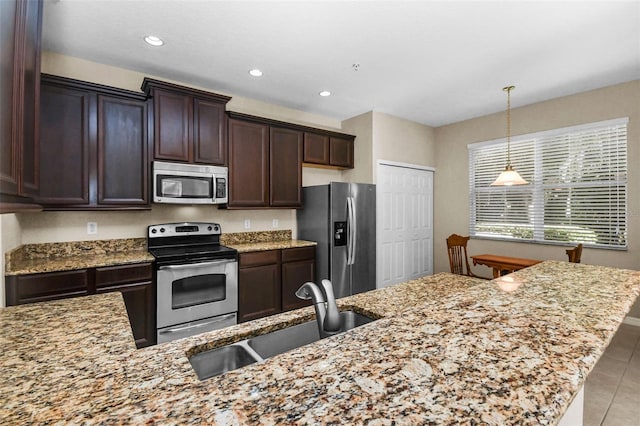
[{"x": 196, "y": 265}]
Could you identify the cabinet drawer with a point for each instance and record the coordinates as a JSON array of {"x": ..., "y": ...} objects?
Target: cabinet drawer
[
  {"x": 49, "y": 286},
  {"x": 259, "y": 258},
  {"x": 300, "y": 253},
  {"x": 111, "y": 275}
]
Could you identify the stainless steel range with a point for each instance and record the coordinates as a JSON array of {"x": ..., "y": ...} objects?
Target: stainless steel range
[{"x": 196, "y": 279}]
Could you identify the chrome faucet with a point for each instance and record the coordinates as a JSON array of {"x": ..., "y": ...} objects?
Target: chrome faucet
[{"x": 324, "y": 303}]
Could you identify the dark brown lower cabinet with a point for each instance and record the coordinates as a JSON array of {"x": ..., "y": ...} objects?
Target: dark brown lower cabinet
[
  {"x": 23, "y": 289},
  {"x": 259, "y": 285},
  {"x": 298, "y": 267},
  {"x": 134, "y": 281},
  {"x": 268, "y": 280}
]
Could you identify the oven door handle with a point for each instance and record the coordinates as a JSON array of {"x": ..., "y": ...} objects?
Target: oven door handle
[
  {"x": 202, "y": 324},
  {"x": 197, "y": 265}
]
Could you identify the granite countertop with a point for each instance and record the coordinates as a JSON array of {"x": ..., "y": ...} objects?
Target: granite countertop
[
  {"x": 246, "y": 242},
  {"x": 67, "y": 256},
  {"x": 446, "y": 350},
  {"x": 271, "y": 245}
]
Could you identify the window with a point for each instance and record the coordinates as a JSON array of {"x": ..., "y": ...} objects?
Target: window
[{"x": 577, "y": 190}]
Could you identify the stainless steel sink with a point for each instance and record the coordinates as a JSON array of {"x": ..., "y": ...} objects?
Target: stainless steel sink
[
  {"x": 257, "y": 349},
  {"x": 217, "y": 361},
  {"x": 280, "y": 341}
]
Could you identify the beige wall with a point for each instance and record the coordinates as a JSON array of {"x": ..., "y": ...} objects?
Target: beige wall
[
  {"x": 43, "y": 227},
  {"x": 68, "y": 66},
  {"x": 451, "y": 185},
  {"x": 386, "y": 137},
  {"x": 403, "y": 141},
  {"x": 361, "y": 125}
]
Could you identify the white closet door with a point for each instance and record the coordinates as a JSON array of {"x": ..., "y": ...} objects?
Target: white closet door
[{"x": 404, "y": 223}]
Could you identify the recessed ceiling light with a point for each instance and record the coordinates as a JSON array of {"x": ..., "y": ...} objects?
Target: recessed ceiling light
[
  {"x": 153, "y": 40},
  {"x": 325, "y": 93},
  {"x": 255, "y": 72}
]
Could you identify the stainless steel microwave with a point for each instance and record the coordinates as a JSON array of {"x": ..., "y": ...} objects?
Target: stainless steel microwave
[{"x": 179, "y": 183}]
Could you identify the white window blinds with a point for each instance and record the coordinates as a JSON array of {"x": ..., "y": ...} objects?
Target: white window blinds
[{"x": 577, "y": 188}]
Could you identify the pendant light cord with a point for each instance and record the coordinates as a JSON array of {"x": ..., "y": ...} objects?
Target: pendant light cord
[{"x": 508, "y": 89}]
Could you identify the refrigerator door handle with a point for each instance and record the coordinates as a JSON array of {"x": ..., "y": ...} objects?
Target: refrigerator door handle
[
  {"x": 354, "y": 234},
  {"x": 351, "y": 229}
]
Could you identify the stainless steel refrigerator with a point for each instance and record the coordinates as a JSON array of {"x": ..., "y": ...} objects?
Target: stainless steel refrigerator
[{"x": 341, "y": 218}]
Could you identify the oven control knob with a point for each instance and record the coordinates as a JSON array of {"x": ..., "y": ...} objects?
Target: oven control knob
[
  {"x": 209, "y": 228},
  {"x": 216, "y": 228},
  {"x": 154, "y": 230},
  {"x": 162, "y": 229}
]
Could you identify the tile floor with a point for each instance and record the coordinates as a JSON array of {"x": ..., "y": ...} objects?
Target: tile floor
[{"x": 612, "y": 390}]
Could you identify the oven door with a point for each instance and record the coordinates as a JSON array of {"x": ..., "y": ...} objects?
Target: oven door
[{"x": 191, "y": 292}]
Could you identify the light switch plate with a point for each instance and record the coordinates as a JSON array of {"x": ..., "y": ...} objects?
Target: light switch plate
[
  {"x": 275, "y": 223},
  {"x": 247, "y": 224}
]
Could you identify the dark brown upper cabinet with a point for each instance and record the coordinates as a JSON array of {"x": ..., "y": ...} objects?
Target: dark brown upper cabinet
[
  {"x": 122, "y": 151},
  {"x": 95, "y": 140},
  {"x": 265, "y": 166},
  {"x": 266, "y": 157},
  {"x": 248, "y": 164},
  {"x": 328, "y": 150},
  {"x": 65, "y": 141},
  {"x": 316, "y": 148},
  {"x": 341, "y": 152},
  {"x": 189, "y": 125},
  {"x": 20, "y": 31},
  {"x": 285, "y": 167}
]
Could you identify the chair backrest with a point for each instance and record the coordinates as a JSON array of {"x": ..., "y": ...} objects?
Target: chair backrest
[
  {"x": 575, "y": 253},
  {"x": 457, "y": 248}
]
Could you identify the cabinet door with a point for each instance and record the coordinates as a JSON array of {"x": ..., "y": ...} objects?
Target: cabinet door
[
  {"x": 248, "y": 164},
  {"x": 286, "y": 168},
  {"x": 20, "y": 29},
  {"x": 30, "y": 50},
  {"x": 259, "y": 293},
  {"x": 136, "y": 285},
  {"x": 122, "y": 151},
  {"x": 44, "y": 287},
  {"x": 209, "y": 132},
  {"x": 172, "y": 125},
  {"x": 140, "y": 302},
  {"x": 64, "y": 143},
  {"x": 294, "y": 274},
  {"x": 9, "y": 144},
  {"x": 316, "y": 148},
  {"x": 341, "y": 152}
]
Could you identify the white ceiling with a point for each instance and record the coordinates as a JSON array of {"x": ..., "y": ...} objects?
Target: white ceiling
[{"x": 433, "y": 62}]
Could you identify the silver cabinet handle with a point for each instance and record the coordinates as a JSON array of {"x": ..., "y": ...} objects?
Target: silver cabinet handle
[
  {"x": 197, "y": 265},
  {"x": 188, "y": 327}
]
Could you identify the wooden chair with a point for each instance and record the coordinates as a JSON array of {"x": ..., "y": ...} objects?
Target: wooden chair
[
  {"x": 575, "y": 253},
  {"x": 458, "y": 261}
]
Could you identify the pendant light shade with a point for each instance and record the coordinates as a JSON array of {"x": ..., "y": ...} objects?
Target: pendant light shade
[{"x": 509, "y": 176}]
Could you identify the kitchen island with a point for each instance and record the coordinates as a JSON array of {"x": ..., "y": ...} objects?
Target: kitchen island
[{"x": 447, "y": 349}]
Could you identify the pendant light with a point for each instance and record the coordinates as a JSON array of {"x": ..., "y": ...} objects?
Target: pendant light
[{"x": 509, "y": 176}]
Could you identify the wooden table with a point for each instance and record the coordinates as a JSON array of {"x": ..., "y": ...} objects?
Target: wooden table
[{"x": 503, "y": 264}]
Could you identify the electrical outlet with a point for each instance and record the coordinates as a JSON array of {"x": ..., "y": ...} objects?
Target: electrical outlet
[
  {"x": 275, "y": 223},
  {"x": 247, "y": 224},
  {"x": 92, "y": 228}
]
